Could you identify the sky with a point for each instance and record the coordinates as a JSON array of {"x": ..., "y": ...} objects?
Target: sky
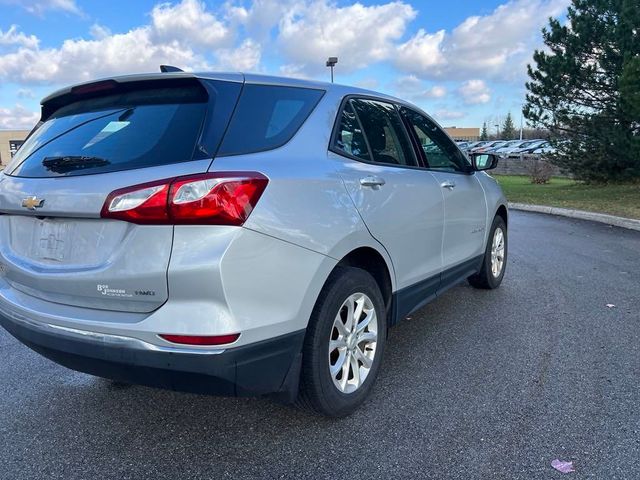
[{"x": 462, "y": 61}]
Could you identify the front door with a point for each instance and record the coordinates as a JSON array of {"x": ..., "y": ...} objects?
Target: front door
[{"x": 465, "y": 205}]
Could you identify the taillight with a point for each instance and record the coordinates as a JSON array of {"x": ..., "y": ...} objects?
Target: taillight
[
  {"x": 146, "y": 203},
  {"x": 201, "y": 339},
  {"x": 225, "y": 198}
]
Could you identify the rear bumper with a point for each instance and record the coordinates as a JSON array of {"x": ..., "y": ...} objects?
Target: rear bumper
[{"x": 269, "y": 366}]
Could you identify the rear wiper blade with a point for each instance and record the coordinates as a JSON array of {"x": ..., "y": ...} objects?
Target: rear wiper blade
[{"x": 68, "y": 163}]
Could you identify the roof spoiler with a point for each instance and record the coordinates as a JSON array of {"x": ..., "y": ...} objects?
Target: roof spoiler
[
  {"x": 170, "y": 68},
  {"x": 112, "y": 86}
]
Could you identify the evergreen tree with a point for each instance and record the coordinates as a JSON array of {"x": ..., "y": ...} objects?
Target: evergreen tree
[
  {"x": 484, "y": 135},
  {"x": 586, "y": 88},
  {"x": 508, "y": 130}
]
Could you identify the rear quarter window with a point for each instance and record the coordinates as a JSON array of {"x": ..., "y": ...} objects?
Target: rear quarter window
[{"x": 267, "y": 117}]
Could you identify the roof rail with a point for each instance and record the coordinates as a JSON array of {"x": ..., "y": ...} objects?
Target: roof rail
[{"x": 170, "y": 68}]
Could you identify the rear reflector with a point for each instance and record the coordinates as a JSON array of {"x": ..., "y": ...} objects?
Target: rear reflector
[
  {"x": 225, "y": 198},
  {"x": 201, "y": 340}
]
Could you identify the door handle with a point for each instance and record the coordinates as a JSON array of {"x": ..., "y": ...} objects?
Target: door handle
[
  {"x": 448, "y": 184},
  {"x": 372, "y": 181}
]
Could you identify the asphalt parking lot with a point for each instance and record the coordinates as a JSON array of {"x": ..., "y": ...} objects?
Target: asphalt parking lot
[{"x": 477, "y": 385}]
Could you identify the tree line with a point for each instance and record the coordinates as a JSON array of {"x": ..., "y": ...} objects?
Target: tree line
[{"x": 507, "y": 130}]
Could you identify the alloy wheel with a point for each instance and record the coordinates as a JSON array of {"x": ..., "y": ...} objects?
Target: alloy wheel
[
  {"x": 352, "y": 343},
  {"x": 497, "y": 252}
]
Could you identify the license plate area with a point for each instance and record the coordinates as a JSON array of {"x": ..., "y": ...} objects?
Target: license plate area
[
  {"x": 51, "y": 240},
  {"x": 68, "y": 243}
]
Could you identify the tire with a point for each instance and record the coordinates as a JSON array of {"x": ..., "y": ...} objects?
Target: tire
[
  {"x": 321, "y": 391},
  {"x": 485, "y": 278}
]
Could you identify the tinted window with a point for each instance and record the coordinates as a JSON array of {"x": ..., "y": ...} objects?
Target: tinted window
[
  {"x": 113, "y": 133},
  {"x": 384, "y": 132},
  {"x": 267, "y": 117},
  {"x": 349, "y": 137},
  {"x": 440, "y": 152}
]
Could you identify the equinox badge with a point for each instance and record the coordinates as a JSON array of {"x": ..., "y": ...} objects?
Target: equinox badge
[{"x": 32, "y": 203}]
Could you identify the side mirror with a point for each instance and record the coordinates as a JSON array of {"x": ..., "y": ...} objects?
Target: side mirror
[{"x": 484, "y": 161}]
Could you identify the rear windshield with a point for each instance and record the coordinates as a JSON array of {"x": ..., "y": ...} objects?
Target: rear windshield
[
  {"x": 115, "y": 132},
  {"x": 267, "y": 117}
]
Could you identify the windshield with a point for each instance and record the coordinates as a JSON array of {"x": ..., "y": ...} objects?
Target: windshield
[{"x": 102, "y": 136}]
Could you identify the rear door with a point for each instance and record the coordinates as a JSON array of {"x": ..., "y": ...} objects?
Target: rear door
[
  {"x": 53, "y": 242},
  {"x": 465, "y": 208},
  {"x": 400, "y": 202}
]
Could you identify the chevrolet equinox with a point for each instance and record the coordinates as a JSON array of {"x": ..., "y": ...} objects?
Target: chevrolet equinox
[{"x": 237, "y": 234}]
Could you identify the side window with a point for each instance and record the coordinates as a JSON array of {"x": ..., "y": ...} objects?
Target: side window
[
  {"x": 385, "y": 133},
  {"x": 441, "y": 153},
  {"x": 349, "y": 137},
  {"x": 284, "y": 111},
  {"x": 267, "y": 117}
]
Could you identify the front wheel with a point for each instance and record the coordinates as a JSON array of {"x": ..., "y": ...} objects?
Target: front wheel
[
  {"x": 344, "y": 344},
  {"x": 495, "y": 258}
]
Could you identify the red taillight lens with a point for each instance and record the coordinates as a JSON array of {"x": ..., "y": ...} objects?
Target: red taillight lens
[
  {"x": 146, "y": 203},
  {"x": 214, "y": 199},
  {"x": 225, "y": 198},
  {"x": 201, "y": 339}
]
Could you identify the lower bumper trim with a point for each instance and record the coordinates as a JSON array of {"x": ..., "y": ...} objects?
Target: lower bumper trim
[{"x": 250, "y": 370}]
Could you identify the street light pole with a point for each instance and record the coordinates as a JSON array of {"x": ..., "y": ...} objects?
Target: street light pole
[
  {"x": 497, "y": 132},
  {"x": 521, "y": 123},
  {"x": 331, "y": 62}
]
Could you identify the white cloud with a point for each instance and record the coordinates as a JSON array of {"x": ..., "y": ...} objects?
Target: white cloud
[
  {"x": 243, "y": 58},
  {"x": 436, "y": 92},
  {"x": 12, "y": 37},
  {"x": 79, "y": 60},
  {"x": 413, "y": 88},
  {"x": 421, "y": 53},
  {"x": 497, "y": 45},
  {"x": 359, "y": 35},
  {"x": 293, "y": 70},
  {"x": 474, "y": 92},
  {"x": 25, "y": 93},
  {"x": 188, "y": 23},
  {"x": 368, "y": 83},
  {"x": 184, "y": 35},
  {"x": 18, "y": 118},
  {"x": 444, "y": 114},
  {"x": 38, "y": 7},
  {"x": 261, "y": 17},
  {"x": 99, "y": 32}
]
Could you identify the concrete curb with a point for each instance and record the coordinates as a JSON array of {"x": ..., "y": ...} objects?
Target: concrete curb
[{"x": 622, "y": 222}]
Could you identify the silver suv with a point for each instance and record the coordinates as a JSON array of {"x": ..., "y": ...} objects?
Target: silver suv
[{"x": 237, "y": 234}]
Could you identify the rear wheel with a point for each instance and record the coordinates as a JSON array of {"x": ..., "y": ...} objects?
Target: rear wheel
[
  {"x": 344, "y": 344},
  {"x": 495, "y": 258}
]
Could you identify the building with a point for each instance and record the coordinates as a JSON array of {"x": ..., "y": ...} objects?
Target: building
[
  {"x": 469, "y": 134},
  {"x": 10, "y": 142}
]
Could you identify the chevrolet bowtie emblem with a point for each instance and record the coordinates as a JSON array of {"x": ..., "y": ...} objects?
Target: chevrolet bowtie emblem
[{"x": 32, "y": 203}]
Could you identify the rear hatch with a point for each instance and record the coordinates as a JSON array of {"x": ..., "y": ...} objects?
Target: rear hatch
[{"x": 94, "y": 139}]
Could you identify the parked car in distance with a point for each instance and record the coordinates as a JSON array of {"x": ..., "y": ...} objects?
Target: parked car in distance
[
  {"x": 528, "y": 147},
  {"x": 489, "y": 147},
  {"x": 237, "y": 234},
  {"x": 544, "y": 149},
  {"x": 509, "y": 147},
  {"x": 470, "y": 145}
]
